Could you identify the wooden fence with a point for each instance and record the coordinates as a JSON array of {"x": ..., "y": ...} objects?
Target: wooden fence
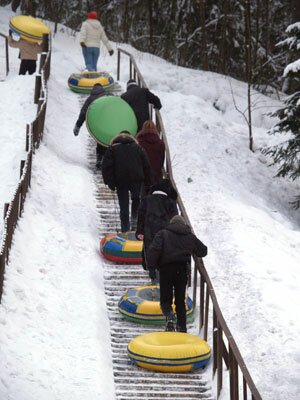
[
  {"x": 34, "y": 133},
  {"x": 225, "y": 352},
  {"x": 6, "y": 53}
]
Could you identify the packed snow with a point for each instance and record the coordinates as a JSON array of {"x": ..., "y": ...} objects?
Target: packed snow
[{"x": 54, "y": 336}]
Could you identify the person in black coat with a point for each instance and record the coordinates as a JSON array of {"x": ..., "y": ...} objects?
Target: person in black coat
[
  {"x": 97, "y": 92},
  {"x": 154, "y": 214},
  {"x": 170, "y": 252},
  {"x": 126, "y": 167},
  {"x": 139, "y": 99}
]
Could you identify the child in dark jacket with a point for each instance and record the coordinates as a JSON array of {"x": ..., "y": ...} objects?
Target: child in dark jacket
[
  {"x": 170, "y": 252},
  {"x": 154, "y": 214}
]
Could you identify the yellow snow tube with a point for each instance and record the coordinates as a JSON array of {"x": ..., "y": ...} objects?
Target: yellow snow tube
[
  {"x": 28, "y": 28},
  {"x": 169, "y": 352}
]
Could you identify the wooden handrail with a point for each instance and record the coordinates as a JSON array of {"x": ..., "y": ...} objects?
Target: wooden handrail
[{"x": 232, "y": 357}]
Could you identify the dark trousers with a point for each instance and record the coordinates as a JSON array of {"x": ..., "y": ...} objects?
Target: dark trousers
[
  {"x": 100, "y": 151},
  {"x": 27, "y": 66},
  {"x": 173, "y": 281},
  {"x": 123, "y": 196}
]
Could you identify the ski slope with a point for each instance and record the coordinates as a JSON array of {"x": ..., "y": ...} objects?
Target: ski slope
[{"x": 54, "y": 327}]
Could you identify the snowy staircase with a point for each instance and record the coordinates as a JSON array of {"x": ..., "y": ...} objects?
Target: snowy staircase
[{"x": 132, "y": 382}]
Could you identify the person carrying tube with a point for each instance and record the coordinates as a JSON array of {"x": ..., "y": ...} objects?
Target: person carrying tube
[
  {"x": 97, "y": 92},
  {"x": 28, "y": 53},
  {"x": 170, "y": 252}
]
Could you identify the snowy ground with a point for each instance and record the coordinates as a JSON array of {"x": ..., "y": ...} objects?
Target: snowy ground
[{"x": 54, "y": 337}]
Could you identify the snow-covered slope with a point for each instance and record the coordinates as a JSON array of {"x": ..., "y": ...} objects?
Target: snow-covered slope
[{"x": 54, "y": 337}]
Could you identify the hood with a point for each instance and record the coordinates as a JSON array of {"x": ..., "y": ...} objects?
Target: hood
[
  {"x": 165, "y": 186},
  {"x": 148, "y": 135},
  {"x": 123, "y": 138},
  {"x": 98, "y": 90},
  {"x": 93, "y": 23},
  {"x": 180, "y": 229}
]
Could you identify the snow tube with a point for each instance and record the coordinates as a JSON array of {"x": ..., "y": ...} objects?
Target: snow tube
[
  {"x": 169, "y": 352},
  {"x": 122, "y": 247},
  {"x": 84, "y": 82},
  {"x": 29, "y": 28},
  {"x": 107, "y": 116},
  {"x": 141, "y": 304}
]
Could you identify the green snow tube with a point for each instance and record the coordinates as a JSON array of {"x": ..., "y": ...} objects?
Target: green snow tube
[{"x": 107, "y": 116}]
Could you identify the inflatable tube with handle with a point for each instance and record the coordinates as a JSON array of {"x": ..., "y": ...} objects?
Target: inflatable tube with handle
[
  {"x": 107, "y": 116},
  {"x": 29, "y": 28}
]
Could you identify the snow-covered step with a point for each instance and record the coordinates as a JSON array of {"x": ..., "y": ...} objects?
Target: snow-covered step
[{"x": 131, "y": 381}]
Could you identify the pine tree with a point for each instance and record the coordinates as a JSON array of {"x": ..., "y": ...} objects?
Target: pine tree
[{"x": 287, "y": 153}]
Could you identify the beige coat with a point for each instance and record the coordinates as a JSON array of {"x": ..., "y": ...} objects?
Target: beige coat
[
  {"x": 28, "y": 50},
  {"x": 92, "y": 33}
]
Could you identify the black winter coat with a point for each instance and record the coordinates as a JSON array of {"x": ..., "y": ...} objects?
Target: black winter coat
[
  {"x": 125, "y": 162},
  {"x": 155, "y": 212},
  {"x": 139, "y": 99},
  {"x": 97, "y": 91},
  {"x": 174, "y": 245}
]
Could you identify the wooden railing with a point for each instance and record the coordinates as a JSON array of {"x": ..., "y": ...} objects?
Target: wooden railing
[
  {"x": 224, "y": 348},
  {"x": 34, "y": 133},
  {"x": 6, "y": 53}
]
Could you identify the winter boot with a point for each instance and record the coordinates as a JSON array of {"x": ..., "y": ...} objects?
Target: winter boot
[
  {"x": 170, "y": 323},
  {"x": 180, "y": 328}
]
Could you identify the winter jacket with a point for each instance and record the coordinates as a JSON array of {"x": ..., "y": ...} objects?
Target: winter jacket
[
  {"x": 139, "y": 99},
  {"x": 28, "y": 50},
  {"x": 125, "y": 162},
  {"x": 155, "y": 149},
  {"x": 96, "y": 93},
  {"x": 92, "y": 33},
  {"x": 174, "y": 245},
  {"x": 155, "y": 211}
]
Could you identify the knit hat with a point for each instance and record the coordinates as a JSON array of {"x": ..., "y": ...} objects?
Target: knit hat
[
  {"x": 131, "y": 82},
  {"x": 178, "y": 219},
  {"x": 92, "y": 15}
]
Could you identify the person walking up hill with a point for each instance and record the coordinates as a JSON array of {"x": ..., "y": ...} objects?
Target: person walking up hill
[
  {"x": 91, "y": 34},
  {"x": 154, "y": 214},
  {"x": 170, "y": 252},
  {"x": 125, "y": 168},
  {"x": 139, "y": 99},
  {"x": 97, "y": 92},
  {"x": 28, "y": 53},
  {"x": 150, "y": 141}
]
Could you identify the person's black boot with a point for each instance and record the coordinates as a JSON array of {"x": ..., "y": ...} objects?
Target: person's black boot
[
  {"x": 170, "y": 323},
  {"x": 181, "y": 329}
]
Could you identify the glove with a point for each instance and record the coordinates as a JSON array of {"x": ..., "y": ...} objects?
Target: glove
[
  {"x": 10, "y": 32},
  {"x": 82, "y": 44},
  {"x": 139, "y": 236},
  {"x": 111, "y": 52},
  {"x": 76, "y": 130},
  {"x": 111, "y": 186}
]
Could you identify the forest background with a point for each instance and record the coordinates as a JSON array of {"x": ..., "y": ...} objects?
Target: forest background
[{"x": 231, "y": 37}]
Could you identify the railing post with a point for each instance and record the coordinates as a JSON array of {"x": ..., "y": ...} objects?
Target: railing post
[
  {"x": 7, "y": 56},
  {"x": 45, "y": 43},
  {"x": 119, "y": 65},
  {"x": 37, "y": 89}
]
